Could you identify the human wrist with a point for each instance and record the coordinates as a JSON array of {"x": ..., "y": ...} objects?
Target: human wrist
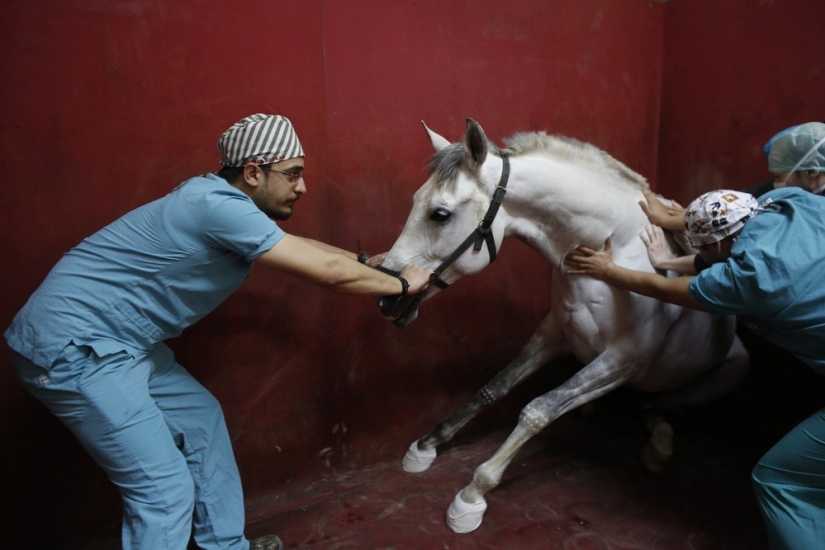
[
  {"x": 405, "y": 286},
  {"x": 609, "y": 270}
]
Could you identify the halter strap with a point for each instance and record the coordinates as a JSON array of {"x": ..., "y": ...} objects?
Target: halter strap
[{"x": 482, "y": 233}]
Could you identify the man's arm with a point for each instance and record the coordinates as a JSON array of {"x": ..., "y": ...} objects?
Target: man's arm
[
  {"x": 599, "y": 264},
  {"x": 337, "y": 270},
  {"x": 328, "y": 247},
  {"x": 373, "y": 260}
]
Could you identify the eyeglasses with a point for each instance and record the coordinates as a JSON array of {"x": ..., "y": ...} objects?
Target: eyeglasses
[{"x": 291, "y": 177}]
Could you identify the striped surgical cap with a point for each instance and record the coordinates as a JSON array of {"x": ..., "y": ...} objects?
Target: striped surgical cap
[{"x": 259, "y": 139}]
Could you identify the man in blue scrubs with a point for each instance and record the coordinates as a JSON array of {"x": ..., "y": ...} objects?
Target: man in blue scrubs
[
  {"x": 89, "y": 342},
  {"x": 767, "y": 266}
]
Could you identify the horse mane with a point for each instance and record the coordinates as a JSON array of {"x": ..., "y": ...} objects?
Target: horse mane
[
  {"x": 448, "y": 162},
  {"x": 571, "y": 150}
]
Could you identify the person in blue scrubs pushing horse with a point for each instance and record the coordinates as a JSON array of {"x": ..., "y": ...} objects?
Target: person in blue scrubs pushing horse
[
  {"x": 89, "y": 342},
  {"x": 766, "y": 266}
]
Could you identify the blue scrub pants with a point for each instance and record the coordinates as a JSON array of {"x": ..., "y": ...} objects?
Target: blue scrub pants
[
  {"x": 159, "y": 435},
  {"x": 790, "y": 487}
]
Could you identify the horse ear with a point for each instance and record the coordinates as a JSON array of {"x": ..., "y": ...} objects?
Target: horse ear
[
  {"x": 438, "y": 142},
  {"x": 475, "y": 144}
]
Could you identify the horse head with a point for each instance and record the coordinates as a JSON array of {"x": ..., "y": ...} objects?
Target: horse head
[{"x": 453, "y": 215}]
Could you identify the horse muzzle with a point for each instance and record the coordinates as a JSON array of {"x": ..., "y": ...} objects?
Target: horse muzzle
[{"x": 402, "y": 311}]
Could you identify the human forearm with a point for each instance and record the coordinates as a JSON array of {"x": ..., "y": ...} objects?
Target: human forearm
[
  {"x": 328, "y": 247},
  {"x": 339, "y": 272},
  {"x": 372, "y": 260},
  {"x": 343, "y": 275},
  {"x": 682, "y": 264},
  {"x": 653, "y": 285},
  {"x": 599, "y": 264}
]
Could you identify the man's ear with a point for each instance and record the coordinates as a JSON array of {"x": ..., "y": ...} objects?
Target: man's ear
[
  {"x": 250, "y": 175},
  {"x": 813, "y": 175},
  {"x": 815, "y": 181},
  {"x": 725, "y": 245}
]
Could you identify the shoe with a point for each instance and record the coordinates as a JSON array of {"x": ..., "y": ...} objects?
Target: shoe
[{"x": 269, "y": 542}]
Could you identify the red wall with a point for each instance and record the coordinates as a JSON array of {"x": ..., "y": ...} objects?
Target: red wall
[
  {"x": 109, "y": 104},
  {"x": 736, "y": 72}
]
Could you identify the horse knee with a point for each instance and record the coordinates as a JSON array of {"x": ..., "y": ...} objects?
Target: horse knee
[{"x": 532, "y": 420}]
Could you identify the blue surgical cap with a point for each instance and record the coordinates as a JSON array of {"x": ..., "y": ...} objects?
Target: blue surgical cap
[
  {"x": 767, "y": 148},
  {"x": 800, "y": 148}
]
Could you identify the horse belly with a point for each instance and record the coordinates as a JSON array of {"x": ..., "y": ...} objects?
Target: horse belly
[
  {"x": 694, "y": 344},
  {"x": 667, "y": 345}
]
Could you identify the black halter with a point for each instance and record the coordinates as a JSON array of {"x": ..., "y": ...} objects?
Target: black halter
[
  {"x": 482, "y": 233},
  {"x": 396, "y": 306}
]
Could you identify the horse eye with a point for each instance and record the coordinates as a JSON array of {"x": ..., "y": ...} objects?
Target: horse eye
[{"x": 440, "y": 215}]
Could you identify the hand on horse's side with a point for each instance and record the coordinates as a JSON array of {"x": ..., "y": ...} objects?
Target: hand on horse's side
[
  {"x": 658, "y": 250},
  {"x": 586, "y": 261},
  {"x": 417, "y": 277},
  {"x": 668, "y": 217}
]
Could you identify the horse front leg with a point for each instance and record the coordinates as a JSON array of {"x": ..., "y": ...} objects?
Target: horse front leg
[
  {"x": 546, "y": 343},
  {"x": 607, "y": 372}
]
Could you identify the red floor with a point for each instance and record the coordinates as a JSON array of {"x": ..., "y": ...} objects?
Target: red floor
[{"x": 579, "y": 486}]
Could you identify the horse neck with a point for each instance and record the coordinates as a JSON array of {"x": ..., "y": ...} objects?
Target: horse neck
[{"x": 555, "y": 207}]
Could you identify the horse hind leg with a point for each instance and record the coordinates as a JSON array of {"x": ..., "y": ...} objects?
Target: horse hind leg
[
  {"x": 546, "y": 343},
  {"x": 714, "y": 384},
  {"x": 607, "y": 372},
  {"x": 659, "y": 448}
]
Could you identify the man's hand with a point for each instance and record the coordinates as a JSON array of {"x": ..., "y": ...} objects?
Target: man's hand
[
  {"x": 377, "y": 259},
  {"x": 417, "y": 277},
  {"x": 668, "y": 217},
  {"x": 586, "y": 261},
  {"x": 599, "y": 264},
  {"x": 658, "y": 249}
]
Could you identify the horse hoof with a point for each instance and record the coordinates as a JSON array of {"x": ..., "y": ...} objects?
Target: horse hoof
[
  {"x": 463, "y": 517},
  {"x": 659, "y": 448},
  {"x": 417, "y": 461}
]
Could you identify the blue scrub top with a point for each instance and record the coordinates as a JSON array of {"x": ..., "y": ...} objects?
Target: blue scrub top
[
  {"x": 148, "y": 275},
  {"x": 775, "y": 277}
]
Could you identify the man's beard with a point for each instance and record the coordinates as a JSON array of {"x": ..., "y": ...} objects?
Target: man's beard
[{"x": 281, "y": 214}]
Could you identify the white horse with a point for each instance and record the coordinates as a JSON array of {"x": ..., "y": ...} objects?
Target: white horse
[{"x": 555, "y": 193}]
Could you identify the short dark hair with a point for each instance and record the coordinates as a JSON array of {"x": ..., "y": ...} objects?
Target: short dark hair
[{"x": 231, "y": 173}]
